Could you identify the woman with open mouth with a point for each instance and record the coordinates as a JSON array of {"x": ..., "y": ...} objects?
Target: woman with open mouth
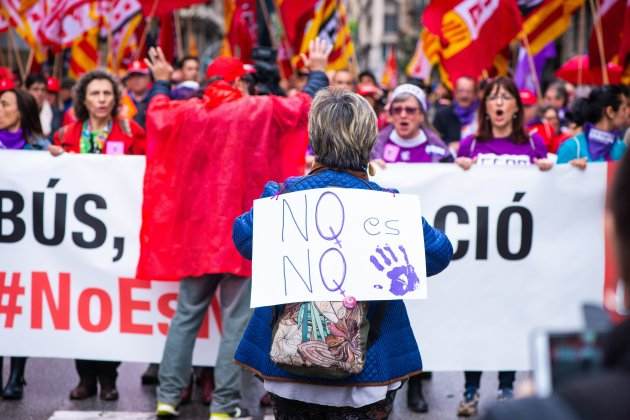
[
  {"x": 501, "y": 140},
  {"x": 409, "y": 139}
]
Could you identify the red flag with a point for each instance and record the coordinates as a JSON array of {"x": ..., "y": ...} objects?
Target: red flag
[
  {"x": 472, "y": 32},
  {"x": 389, "y": 79},
  {"x": 612, "y": 15},
  {"x": 207, "y": 160},
  {"x": 167, "y": 37},
  {"x": 165, "y": 7},
  {"x": 624, "y": 50},
  {"x": 304, "y": 21},
  {"x": 295, "y": 15},
  {"x": 241, "y": 29}
]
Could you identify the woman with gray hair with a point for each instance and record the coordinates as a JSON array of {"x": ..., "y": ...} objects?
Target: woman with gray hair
[
  {"x": 409, "y": 138},
  {"x": 342, "y": 131}
]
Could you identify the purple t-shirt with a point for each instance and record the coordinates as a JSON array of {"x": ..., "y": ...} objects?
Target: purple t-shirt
[
  {"x": 502, "y": 151},
  {"x": 416, "y": 150}
]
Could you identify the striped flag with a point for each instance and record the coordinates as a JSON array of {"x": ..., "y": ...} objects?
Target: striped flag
[
  {"x": 122, "y": 20},
  {"x": 69, "y": 19},
  {"x": 426, "y": 55},
  {"x": 4, "y": 22},
  {"x": 547, "y": 21},
  {"x": 84, "y": 53},
  {"x": 306, "y": 20},
  {"x": 27, "y": 17}
]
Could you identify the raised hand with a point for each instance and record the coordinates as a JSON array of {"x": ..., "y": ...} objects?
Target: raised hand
[
  {"x": 318, "y": 52},
  {"x": 158, "y": 64}
]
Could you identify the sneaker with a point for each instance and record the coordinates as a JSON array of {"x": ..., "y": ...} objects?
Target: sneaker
[
  {"x": 166, "y": 410},
  {"x": 237, "y": 413},
  {"x": 505, "y": 394},
  {"x": 470, "y": 404}
]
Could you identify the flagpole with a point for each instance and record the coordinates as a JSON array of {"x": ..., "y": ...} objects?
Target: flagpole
[
  {"x": 9, "y": 51},
  {"x": 600, "y": 41},
  {"x": 29, "y": 62},
  {"x": 111, "y": 54},
  {"x": 532, "y": 65},
  {"x": 57, "y": 65},
  {"x": 581, "y": 43},
  {"x": 179, "y": 45},
  {"x": 145, "y": 31},
  {"x": 17, "y": 55}
]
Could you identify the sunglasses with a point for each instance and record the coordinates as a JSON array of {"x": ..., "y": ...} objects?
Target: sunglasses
[{"x": 409, "y": 110}]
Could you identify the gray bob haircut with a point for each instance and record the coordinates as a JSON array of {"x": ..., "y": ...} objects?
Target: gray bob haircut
[{"x": 342, "y": 129}]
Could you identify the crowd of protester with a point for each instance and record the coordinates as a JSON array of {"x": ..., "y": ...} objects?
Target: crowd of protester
[{"x": 487, "y": 122}]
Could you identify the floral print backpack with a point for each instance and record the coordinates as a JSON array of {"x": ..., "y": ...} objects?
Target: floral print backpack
[
  {"x": 321, "y": 339},
  {"x": 327, "y": 340}
]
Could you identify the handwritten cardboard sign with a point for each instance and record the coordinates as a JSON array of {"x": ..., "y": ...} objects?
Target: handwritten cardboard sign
[{"x": 336, "y": 243}]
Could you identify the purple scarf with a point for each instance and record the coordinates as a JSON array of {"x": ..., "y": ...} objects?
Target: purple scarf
[
  {"x": 465, "y": 115},
  {"x": 600, "y": 142},
  {"x": 13, "y": 141}
]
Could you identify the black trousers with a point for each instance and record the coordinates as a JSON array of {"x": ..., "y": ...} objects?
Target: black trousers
[
  {"x": 92, "y": 369},
  {"x": 506, "y": 379},
  {"x": 284, "y": 409}
]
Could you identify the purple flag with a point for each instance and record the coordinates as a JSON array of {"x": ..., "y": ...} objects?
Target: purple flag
[{"x": 523, "y": 74}]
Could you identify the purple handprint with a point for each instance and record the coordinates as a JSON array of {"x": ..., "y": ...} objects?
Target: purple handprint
[{"x": 402, "y": 276}]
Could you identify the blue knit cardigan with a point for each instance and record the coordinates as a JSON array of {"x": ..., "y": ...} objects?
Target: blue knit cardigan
[{"x": 393, "y": 355}]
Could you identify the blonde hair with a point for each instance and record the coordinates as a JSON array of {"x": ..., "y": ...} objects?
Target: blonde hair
[{"x": 342, "y": 129}]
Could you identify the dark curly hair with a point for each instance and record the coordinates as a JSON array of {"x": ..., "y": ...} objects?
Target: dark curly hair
[{"x": 80, "y": 91}]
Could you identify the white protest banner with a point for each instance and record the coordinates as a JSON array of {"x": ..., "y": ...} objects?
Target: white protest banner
[
  {"x": 327, "y": 244},
  {"x": 69, "y": 246},
  {"x": 529, "y": 250}
]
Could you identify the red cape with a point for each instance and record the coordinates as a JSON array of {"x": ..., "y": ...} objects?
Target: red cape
[{"x": 205, "y": 166}]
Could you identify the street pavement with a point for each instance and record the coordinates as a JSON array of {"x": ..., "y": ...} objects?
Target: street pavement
[{"x": 50, "y": 381}]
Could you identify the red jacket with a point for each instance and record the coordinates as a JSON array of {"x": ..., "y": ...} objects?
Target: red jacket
[{"x": 126, "y": 137}]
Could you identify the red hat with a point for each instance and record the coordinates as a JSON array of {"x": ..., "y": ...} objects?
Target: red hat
[
  {"x": 137, "y": 67},
  {"x": 6, "y": 84},
  {"x": 227, "y": 68},
  {"x": 53, "y": 85},
  {"x": 367, "y": 89},
  {"x": 6, "y": 73},
  {"x": 528, "y": 98}
]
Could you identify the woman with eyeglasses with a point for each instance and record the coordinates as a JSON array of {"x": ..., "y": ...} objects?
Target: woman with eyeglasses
[
  {"x": 409, "y": 138},
  {"x": 605, "y": 112},
  {"x": 501, "y": 140}
]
